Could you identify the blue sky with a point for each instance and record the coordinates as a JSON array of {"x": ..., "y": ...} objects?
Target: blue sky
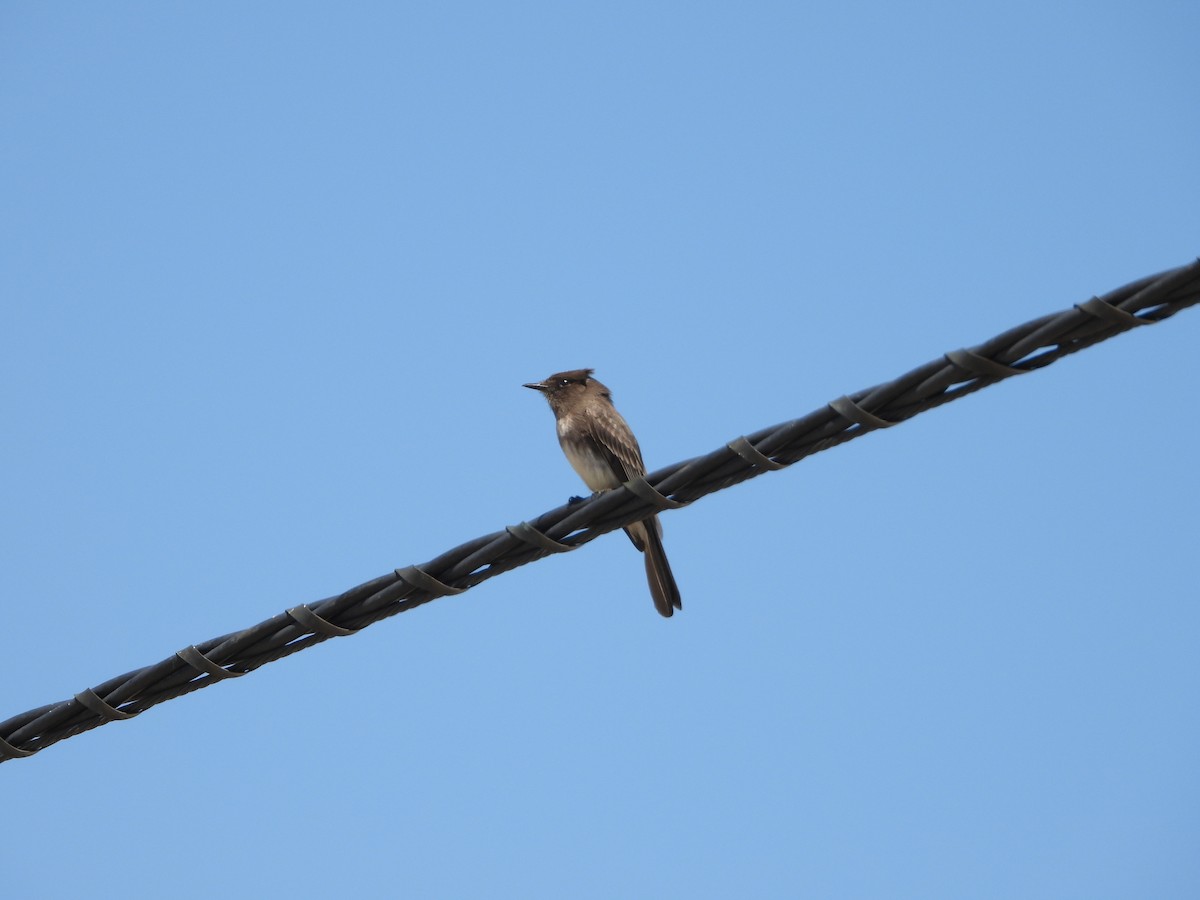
[{"x": 273, "y": 275}]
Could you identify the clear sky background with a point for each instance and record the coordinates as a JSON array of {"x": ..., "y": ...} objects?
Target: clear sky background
[{"x": 272, "y": 275}]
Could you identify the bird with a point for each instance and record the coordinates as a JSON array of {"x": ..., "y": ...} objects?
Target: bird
[{"x": 601, "y": 448}]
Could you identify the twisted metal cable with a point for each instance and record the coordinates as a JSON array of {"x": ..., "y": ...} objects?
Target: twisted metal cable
[{"x": 1027, "y": 347}]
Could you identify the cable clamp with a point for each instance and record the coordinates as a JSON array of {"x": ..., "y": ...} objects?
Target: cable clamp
[
  {"x": 306, "y": 618},
  {"x": 202, "y": 664},
  {"x": 848, "y": 409},
  {"x": 977, "y": 364},
  {"x": 96, "y": 704},
  {"x": 747, "y": 451},
  {"x": 424, "y": 581},
  {"x": 641, "y": 487},
  {"x": 523, "y": 531},
  {"x": 9, "y": 751},
  {"x": 1114, "y": 315}
]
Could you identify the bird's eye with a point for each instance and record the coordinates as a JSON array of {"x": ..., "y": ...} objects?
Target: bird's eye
[{"x": 563, "y": 382}]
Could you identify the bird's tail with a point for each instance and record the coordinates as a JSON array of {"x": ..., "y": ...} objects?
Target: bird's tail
[{"x": 663, "y": 588}]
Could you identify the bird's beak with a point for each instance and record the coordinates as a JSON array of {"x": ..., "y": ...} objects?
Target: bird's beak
[{"x": 537, "y": 386}]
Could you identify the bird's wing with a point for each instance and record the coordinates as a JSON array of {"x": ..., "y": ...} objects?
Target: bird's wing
[{"x": 617, "y": 444}]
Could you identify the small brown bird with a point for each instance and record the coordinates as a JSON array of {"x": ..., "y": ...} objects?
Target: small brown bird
[{"x": 600, "y": 446}]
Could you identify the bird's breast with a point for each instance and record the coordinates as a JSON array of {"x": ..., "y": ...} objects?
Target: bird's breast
[{"x": 586, "y": 460}]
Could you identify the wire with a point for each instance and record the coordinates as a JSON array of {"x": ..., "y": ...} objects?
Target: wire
[{"x": 1026, "y": 348}]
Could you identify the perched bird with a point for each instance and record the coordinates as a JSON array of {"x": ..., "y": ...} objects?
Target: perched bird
[{"x": 600, "y": 446}]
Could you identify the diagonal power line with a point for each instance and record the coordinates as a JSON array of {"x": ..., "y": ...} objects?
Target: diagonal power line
[{"x": 1027, "y": 347}]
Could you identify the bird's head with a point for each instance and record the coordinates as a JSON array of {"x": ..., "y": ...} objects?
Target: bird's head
[{"x": 563, "y": 388}]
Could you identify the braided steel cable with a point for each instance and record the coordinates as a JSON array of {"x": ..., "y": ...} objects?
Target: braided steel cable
[{"x": 1027, "y": 347}]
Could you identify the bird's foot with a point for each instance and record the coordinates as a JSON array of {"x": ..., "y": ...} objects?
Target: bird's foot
[{"x": 575, "y": 500}]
